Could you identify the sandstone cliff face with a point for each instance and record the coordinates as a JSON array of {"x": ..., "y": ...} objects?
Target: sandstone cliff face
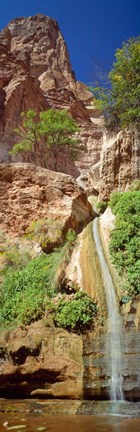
[
  {"x": 35, "y": 62},
  {"x": 120, "y": 162},
  {"x": 29, "y": 193},
  {"x": 41, "y": 361}
]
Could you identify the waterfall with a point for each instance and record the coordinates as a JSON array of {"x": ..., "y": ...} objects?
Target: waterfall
[{"x": 114, "y": 336}]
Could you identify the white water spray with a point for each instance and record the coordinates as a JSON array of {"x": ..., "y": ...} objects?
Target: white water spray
[{"x": 114, "y": 337}]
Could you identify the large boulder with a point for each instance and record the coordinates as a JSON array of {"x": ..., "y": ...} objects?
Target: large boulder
[
  {"x": 41, "y": 361},
  {"x": 30, "y": 193}
]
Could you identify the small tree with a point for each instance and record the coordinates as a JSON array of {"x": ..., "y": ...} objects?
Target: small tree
[
  {"x": 120, "y": 99},
  {"x": 58, "y": 128},
  {"x": 29, "y": 134},
  {"x": 54, "y": 130}
]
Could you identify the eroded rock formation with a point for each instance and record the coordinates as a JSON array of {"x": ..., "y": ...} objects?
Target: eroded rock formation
[
  {"x": 41, "y": 361},
  {"x": 29, "y": 193},
  {"x": 120, "y": 162},
  {"x": 35, "y": 61},
  {"x": 35, "y": 72}
]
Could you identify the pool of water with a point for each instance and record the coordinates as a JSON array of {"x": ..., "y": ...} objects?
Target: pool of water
[{"x": 88, "y": 416}]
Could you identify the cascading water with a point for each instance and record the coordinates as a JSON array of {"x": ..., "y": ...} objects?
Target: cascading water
[{"x": 114, "y": 338}]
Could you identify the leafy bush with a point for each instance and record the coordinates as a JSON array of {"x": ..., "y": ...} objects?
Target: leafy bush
[
  {"x": 26, "y": 286},
  {"x": 47, "y": 232},
  {"x": 135, "y": 186},
  {"x": 16, "y": 258},
  {"x": 101, "y": 206},
  {"x": 24, "y": 291},
  {"x": 71, "y": 236},
  {"x": 50, "y": 130},
  {"x": 76, "y": 314},
  {"x": 118, "y": 94},
  {"x": 125, "y": 238}
]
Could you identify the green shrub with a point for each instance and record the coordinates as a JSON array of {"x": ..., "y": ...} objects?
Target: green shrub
[
  {"x": 75, "y": 314},
  {"x": 135, "y": 186},
  {"x": 125, "y": 238},
  {"x": 26, "y": 286},
  {"x": 16, "y": 258},
  {"x": 23, "y": 292},
  {"x": 71, "y": 236},
  {"x": 118, "y": 93},
  {"x": 101, "y": 206},
  {"x": 47, "y": 232}
]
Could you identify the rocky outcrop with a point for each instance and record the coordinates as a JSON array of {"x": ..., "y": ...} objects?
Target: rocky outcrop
[
  {"x": 29, "y": 193},
  {"x": 41, "y": 362},
  {"x": 120, "y": 162},
  {"x": 35, "y": 61}
]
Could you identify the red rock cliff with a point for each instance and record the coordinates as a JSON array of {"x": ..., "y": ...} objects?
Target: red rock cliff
[{"x": 35, "y": 72}]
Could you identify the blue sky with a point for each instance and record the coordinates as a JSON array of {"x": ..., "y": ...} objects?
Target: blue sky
[{"x": 93, "y": 29}]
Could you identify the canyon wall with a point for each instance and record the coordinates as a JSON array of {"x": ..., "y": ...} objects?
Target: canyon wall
[
  {"x": 30, "y": 193},
  {"x": 35, "y": 72},
  {"x": 120, "y": 162}
]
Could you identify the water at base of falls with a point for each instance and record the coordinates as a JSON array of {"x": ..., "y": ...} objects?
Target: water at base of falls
[{"x": 114, "y": 336}]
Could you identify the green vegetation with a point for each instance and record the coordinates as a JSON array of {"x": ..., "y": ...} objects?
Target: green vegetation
[
  {"x": 135, "y": 186},
  {"x": 14, "y": 257},
  {"x": 47, "y": 232},
  {"x": 23, "y": 292},
  {"x": 13, "y": 254},
  {"x": 120, "y": 97},
  {"x": 76, "y": 314},
  {"x": 101, "y": 206},
  {"x": 25, "y": 287},
  {"x": 125, "y": 238},
  {"x": 52, "y": 130},
  {"x": 29, "y": 287}
]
